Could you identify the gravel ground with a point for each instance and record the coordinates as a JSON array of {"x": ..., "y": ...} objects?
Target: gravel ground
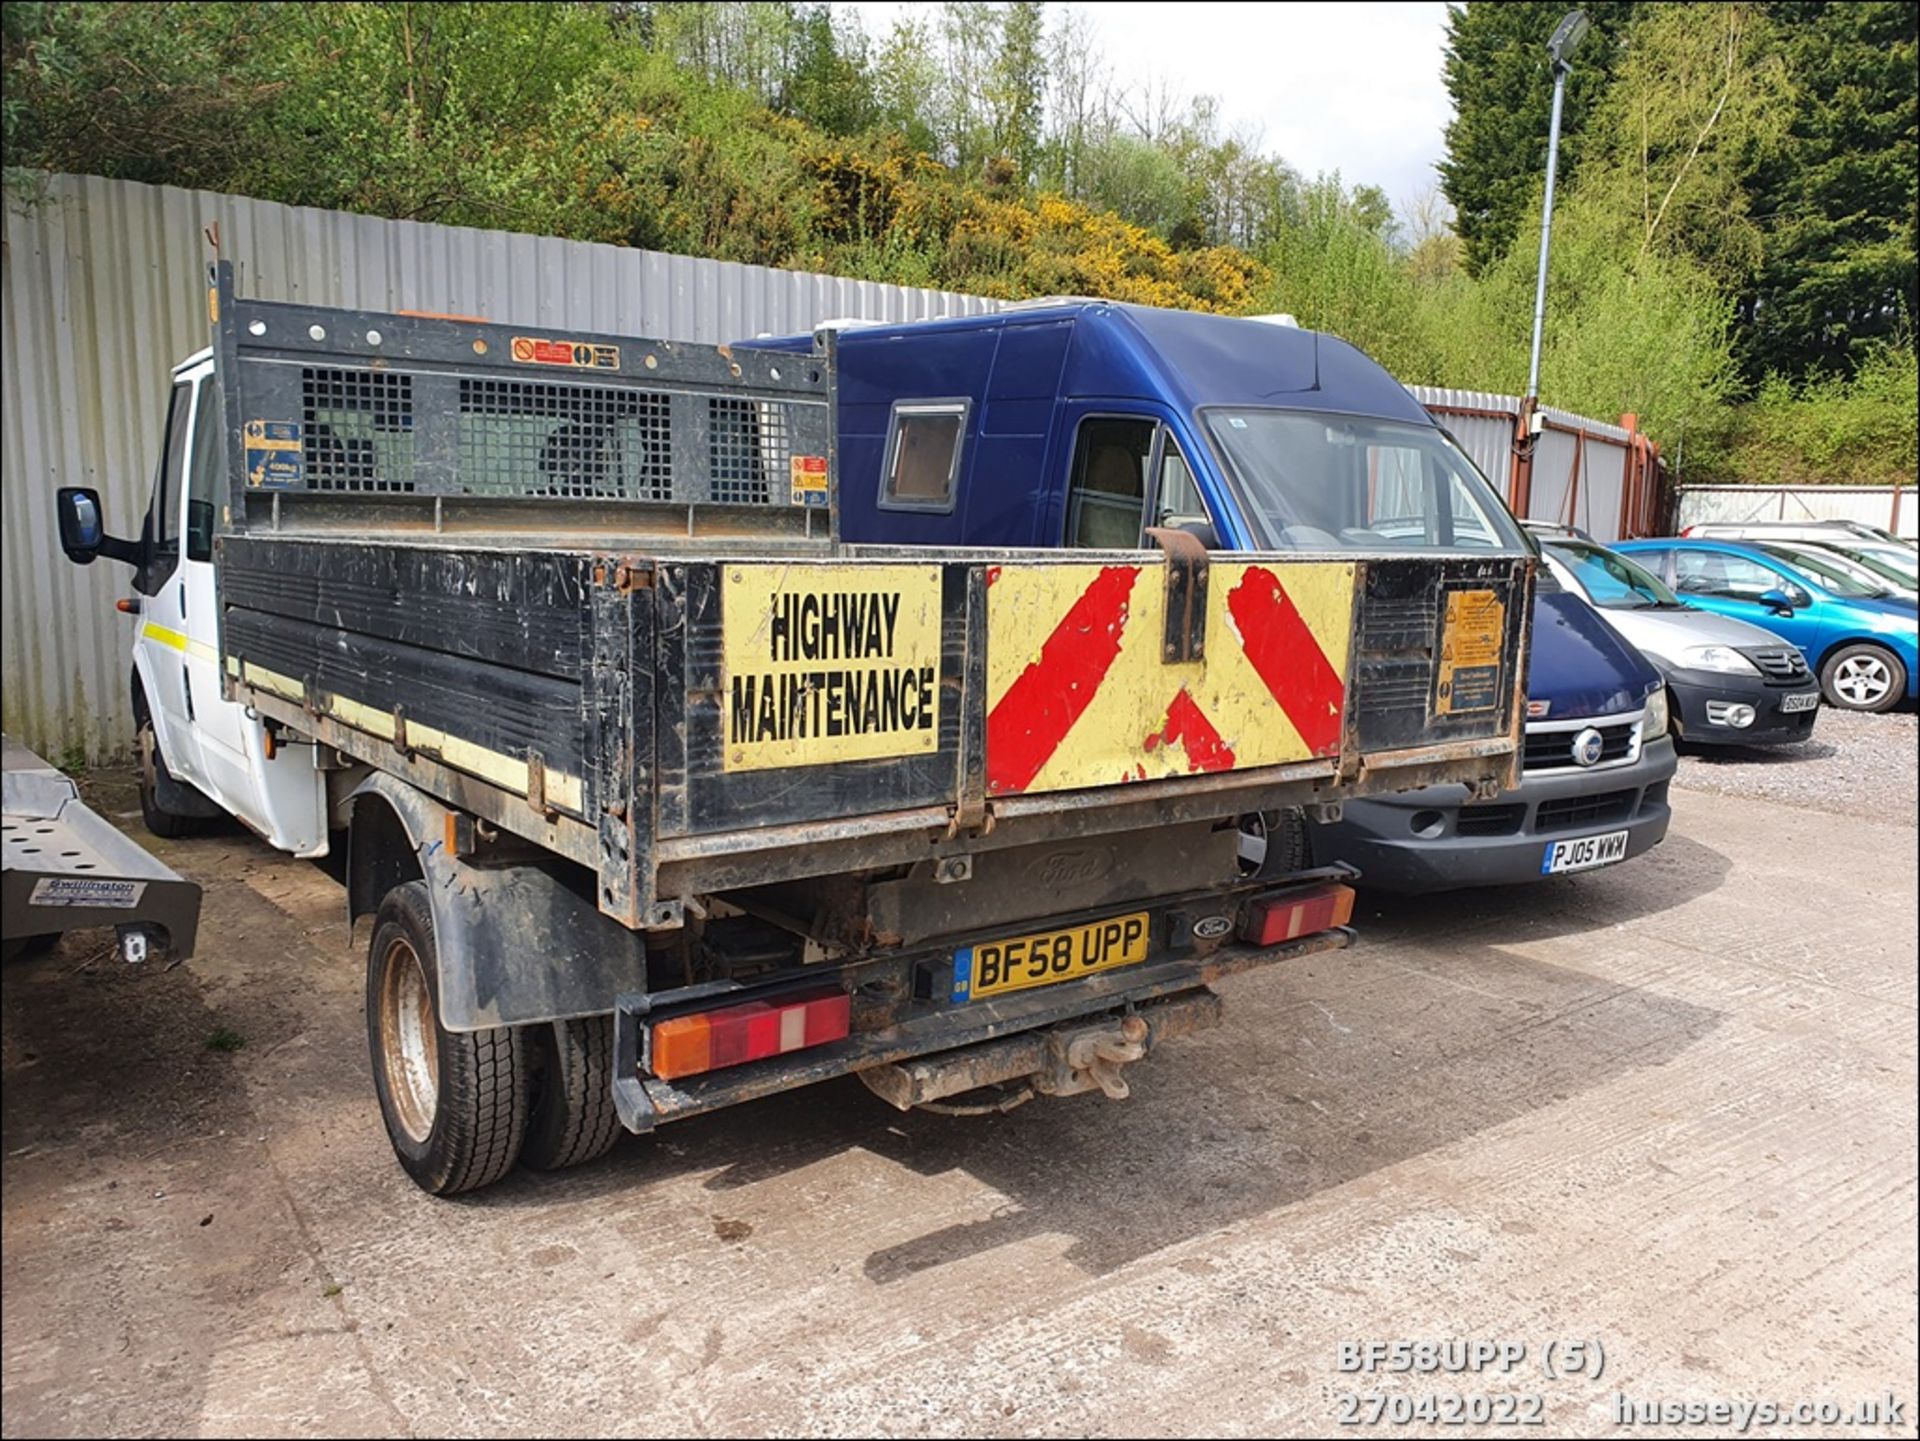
[{"x": 1856, "y": 764}]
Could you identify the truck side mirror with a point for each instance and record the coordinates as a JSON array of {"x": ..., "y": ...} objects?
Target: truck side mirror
[{"x": 83, "y": 530}]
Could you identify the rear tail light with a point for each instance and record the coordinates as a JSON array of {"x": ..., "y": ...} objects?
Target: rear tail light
[
  {"x": 1289, "y": 915},
  {"x": 750, "y": 1031}
]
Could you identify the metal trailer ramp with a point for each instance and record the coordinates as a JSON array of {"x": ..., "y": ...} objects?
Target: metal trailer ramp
[{"x": 64, "y": 868}]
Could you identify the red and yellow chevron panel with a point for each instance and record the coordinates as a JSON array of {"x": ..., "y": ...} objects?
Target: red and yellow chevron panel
[{"x": 1078, "y": 692}]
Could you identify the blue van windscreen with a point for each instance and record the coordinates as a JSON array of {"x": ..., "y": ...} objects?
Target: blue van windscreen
[{"x": 1314, "y": 481}]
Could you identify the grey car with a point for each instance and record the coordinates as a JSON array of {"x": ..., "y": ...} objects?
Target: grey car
[{"x": 1729, "y": 682}]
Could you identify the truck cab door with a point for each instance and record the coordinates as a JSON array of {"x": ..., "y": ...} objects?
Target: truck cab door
[
  {"x": 160, "y": 644},
  {"x": 282, "y": 796}
]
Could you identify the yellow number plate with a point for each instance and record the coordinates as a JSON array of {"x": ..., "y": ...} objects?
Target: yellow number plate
[{"x": 993, "y": 968}]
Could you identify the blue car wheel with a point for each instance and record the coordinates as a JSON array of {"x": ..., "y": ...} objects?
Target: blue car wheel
[{"x": 1863, "y": 677}]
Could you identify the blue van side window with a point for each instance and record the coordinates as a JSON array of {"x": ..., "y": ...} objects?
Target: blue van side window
[{"x": 925, "y": 439}]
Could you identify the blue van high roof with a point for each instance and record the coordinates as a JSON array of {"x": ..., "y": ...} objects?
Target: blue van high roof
[{"x": 1186, "y": 357}]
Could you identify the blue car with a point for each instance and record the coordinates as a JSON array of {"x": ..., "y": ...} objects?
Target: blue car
[{"x": 1864, "y": 644}]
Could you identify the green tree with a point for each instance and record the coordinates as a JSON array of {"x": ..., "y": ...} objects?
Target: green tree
[
  {"x": 1141, "y": 182},
  {"x": 907, "y": 83},
  {"x": 1019, "y": 86},
  {"x": 1501, "y": 82},
  {"x": 830, "y": 87},
  {"x": 1698, "y": 103},
  {"x": 1836, "y": 203},
  {"x": 165, "y": 93},
  {"x": 1334, "y": 270}
]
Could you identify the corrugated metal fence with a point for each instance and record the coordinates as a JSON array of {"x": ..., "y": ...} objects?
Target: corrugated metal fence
[
  {"x": 103, "y": 291},
  {"x": 1889, "y": 506},
  {"x": 1603, "y": 478}
]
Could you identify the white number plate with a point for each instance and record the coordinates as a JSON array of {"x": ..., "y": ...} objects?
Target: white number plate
[
  {"x": 1584, "y": 854},
  {"x": 1805, "y": 700}
]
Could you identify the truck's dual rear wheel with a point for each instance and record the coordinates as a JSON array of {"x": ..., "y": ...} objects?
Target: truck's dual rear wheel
[{"x": 462, "y": 1106}]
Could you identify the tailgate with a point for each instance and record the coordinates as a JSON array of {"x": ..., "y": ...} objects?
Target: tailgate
[{"x": 810, "y": 691}]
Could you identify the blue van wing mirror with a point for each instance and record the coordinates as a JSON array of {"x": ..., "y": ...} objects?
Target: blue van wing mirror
[{"x": 83, "y": 530}]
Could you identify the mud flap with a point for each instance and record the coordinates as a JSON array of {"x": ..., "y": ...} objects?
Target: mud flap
[
  {"x": 630, "y": 1097},
  {"x": 517, "y": 943}
]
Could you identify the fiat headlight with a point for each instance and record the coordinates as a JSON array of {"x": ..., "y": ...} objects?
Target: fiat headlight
[
  {"x": 1655, "y": 724},
  {"x": 1722, "y": 658}
]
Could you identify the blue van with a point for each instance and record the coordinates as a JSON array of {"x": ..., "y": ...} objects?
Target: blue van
[{"x": 1086, "y": 423}]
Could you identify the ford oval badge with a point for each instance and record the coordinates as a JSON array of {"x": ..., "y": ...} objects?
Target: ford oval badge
[{"x": 1207, "y": 928}]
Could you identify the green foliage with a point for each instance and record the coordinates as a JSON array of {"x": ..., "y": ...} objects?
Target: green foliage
[
  {"x": 1699, "y": 102},
  {"x": 830, "y": 88},
  {"x": 1333, "y": 270},
  {"x": 1836, "y": 203},
  {"x": 1833, "y": 429},
  {"x": 1740, "y": 177},
  {"x": 1741, "y": 215},
  {"x": 1139, "y": 181},
  {"x": 1501, "y": 83}
]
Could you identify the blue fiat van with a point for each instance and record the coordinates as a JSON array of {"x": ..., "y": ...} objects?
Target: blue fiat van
[{"x": 1086, "y": 423}]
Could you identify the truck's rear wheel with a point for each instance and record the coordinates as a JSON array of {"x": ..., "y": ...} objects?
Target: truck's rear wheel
[
  {"x": 455, "y": 1102},
  {"x": 572, "y": 1115},
  {"x": 170, "y": 825},
  {"x": 1273, "y": 844}
]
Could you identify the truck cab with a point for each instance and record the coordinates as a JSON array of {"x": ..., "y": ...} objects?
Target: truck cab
[
  {"x": 201, "y": 755},
  {"x": 1089, "y": 424}
]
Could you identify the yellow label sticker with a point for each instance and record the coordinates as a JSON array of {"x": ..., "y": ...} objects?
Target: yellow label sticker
[
  {"x": 809, "y": 474},
  {"x": 275, "y": 460},
  {"x": 829, "y": 662},
  {"x": 1471, "y": 640}
]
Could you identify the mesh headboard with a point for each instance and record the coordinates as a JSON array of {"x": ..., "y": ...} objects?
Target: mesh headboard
[{"x": 343, "y": 403}]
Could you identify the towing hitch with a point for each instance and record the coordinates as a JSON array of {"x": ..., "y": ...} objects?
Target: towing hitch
[
  {"x": 1092, "y": 1056},
  {"x": 1060, "y": 1061}
]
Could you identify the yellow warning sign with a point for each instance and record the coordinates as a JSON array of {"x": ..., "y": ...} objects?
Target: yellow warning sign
[
  {"x": 1471, "y": 637},
  {"x": 829, "y": 662}
]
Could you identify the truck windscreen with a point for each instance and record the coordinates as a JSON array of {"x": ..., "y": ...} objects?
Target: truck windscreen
[{"x": 1314, "y": 481}]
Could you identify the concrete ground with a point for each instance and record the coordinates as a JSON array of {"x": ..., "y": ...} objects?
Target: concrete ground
[{"x": 1668, "y": 1108}]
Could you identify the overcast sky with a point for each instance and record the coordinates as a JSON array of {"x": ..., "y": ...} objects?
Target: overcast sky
[{"x": 1348, "y": 87}]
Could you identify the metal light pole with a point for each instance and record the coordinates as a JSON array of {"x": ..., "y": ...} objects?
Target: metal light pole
[{"x": 1566, "y": 38}]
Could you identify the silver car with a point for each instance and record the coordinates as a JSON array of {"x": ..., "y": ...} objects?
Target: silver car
[
  {"x": 1728, "y": 682},
  {"x": 1857, "y": 562},
  {"x": 1815, "y": 530}
]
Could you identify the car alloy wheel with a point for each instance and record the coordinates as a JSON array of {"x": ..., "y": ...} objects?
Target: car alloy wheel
[{"x": 1863, "y": 679}]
